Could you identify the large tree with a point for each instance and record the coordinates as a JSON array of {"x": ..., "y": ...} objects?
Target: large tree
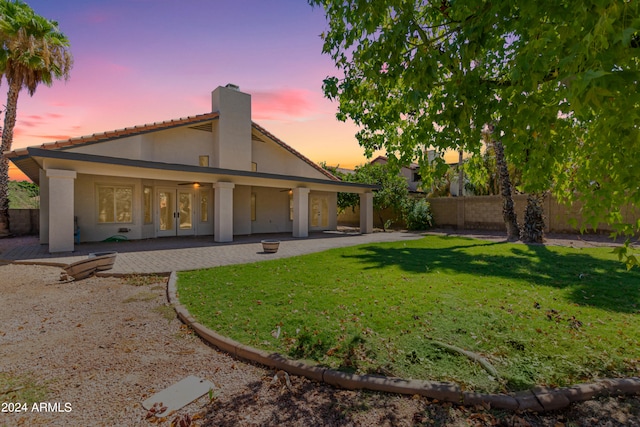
[
  {"x": 33, "y": 51},
  {"x": 556, "y": 78},
  {"x": 388, "y": 200}
]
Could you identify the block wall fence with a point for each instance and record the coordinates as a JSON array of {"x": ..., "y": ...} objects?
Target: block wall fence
[
  {"x": 485, "y": 213},
  {"x": 24, "y": 221}
]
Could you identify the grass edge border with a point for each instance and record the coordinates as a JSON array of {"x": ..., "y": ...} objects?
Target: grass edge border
[{"x": 538, "y": 399}]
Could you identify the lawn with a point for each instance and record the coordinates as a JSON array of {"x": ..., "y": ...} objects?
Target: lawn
[{"x": 540, "y": 315}]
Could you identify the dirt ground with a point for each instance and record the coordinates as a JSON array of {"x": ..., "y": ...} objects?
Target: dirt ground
[{"x": 101, "y": 346}]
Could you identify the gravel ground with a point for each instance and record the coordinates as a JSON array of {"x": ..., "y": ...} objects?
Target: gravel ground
[{"x": 103, "y": 346}]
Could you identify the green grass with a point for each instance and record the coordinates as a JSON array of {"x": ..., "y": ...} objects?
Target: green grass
[{"x": 540, "y": 315}]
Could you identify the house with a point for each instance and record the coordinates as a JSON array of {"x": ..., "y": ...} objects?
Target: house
[
  {"x": 410, "y": 173},
  {"x": 216, "y": 174}
]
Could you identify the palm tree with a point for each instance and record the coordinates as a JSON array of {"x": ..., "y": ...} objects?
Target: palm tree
[
  {"x": 32, "y": 51},
  {"x": 508, "y": 209},
  {"x": 533, "y": 227}
]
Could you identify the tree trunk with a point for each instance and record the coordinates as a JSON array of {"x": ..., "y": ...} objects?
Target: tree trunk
[
  {"x": 7, "y": 140},
  {"x": 460, "y": 175},
  {"x": 533, "y": 228},
  {"x": 4, "y": 197},
  {"x": 508, "y": 211},
  {"x": 382, "y": 221}
]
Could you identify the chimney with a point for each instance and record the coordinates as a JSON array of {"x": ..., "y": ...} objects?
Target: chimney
[{"x": 232, "y": 130}]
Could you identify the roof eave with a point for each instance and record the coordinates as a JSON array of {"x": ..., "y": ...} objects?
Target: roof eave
[{"x": 83, "y": 157}]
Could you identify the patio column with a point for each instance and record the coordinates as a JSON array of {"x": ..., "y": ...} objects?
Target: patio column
[
  {"x": 44, "y": 207},
  {"x": 300, "y": 212},
  {"x": 223, "y": 212},
  {"x": 366, "y": 213},
  {"x": 61, "y": 208}
]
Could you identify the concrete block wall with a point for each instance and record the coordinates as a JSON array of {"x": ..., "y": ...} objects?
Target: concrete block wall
[
  {"x": 445, "y": 211},
  {"x": 485, "y": 213},
  {"x": 24, "y": 221}
]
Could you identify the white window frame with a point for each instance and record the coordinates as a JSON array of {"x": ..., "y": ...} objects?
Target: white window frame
[{"x": 115, "y": 213}]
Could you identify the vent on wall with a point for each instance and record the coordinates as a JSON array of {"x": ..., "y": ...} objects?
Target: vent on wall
[{"x": 207, "y": 127}]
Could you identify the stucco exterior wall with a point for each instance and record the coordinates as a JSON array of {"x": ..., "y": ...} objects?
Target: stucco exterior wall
[
  {"x": 183, "y": 146},
  {"x": 86, "y": 208},
  {"x": 127, "y": 148},
  {"x": 272, "y": 211},
  {"x": 272, "y": 158},
  {"x": 232, "y": 132},
  {"x": 241, "y": 210}
]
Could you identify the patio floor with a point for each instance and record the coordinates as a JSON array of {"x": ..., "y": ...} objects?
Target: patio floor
[{"x": 163, "y": 255}]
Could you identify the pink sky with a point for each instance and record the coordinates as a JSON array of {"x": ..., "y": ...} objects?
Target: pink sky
[{"x": 142, "y": 61}]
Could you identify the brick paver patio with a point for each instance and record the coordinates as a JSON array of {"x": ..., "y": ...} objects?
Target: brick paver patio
[{"x": 164, "y": 255}]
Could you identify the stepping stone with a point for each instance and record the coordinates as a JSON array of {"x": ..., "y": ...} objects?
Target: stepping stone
[{"x": 178, "y": 395}]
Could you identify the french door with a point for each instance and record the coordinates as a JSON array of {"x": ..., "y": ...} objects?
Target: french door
[{"x": 175, "y": 212}]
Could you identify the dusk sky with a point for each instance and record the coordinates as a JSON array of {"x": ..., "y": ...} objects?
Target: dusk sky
[{"x": 143, "y": 61}]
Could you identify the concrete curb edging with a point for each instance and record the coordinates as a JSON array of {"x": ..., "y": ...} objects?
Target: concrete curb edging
[{"x": 538, "y": 399}]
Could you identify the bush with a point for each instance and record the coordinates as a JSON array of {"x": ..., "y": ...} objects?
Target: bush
[
  {"x": 417, "y": 214},
  {"x": 23, "y": 195}
]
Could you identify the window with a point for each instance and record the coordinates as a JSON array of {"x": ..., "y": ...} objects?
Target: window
[
  {"x": 290, "y": 205},
  {"x": 148, "y": 204},
  {"x": 253, "y": 206},
  {"x": 204, "y": 205},
  {"x": 319, "y": 211},
  {"x": 115, "y": 204},
  {"x": 203, "y": 161},
  {"x": 254, "y": 167},
  {"x": 417, "y": 177}
]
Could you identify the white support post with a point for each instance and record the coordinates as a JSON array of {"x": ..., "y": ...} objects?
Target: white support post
[
  {"x": 223, "y": 212},
  {"x": 44, "y": 207},
  {"x": 366, "y": 213},
  {"x": 300, "y": 212},
  {"x": 61, "y": 209}
]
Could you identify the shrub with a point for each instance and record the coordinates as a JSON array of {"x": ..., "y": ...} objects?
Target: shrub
[{"x": 417, "y": 214}]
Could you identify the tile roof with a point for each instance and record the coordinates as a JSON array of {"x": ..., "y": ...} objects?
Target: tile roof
[
  {"x": 167, "y": 124},
  {"x": 119, "y": 133}
]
